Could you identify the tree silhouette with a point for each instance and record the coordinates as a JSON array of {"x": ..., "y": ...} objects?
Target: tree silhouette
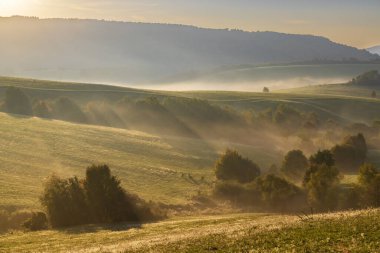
[
  {"x": 232, "y": 166},
  {"x": 294, "y": 165}
]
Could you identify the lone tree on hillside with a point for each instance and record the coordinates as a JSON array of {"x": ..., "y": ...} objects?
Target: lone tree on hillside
[
  {"x": 374, "y": 94},
  {"x": 17, "y": 102},
  {"x": 232, "y": 166},
  {"x": 266, "y": 90},
  {"x": 295, "y": 165}
]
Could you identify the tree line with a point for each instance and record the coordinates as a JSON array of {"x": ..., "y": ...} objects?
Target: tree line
[
  {"x": 187, "y": 117},
  {"x": 301, "y": 182}
]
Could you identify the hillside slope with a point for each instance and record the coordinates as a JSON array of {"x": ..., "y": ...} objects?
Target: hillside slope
[
  {"x": 135, "y": 52},
  {"x": 254, "y": 78},
  {"x": 157, "y": 167},
  {"x": 362, "y": 85},
  {"x": 165, "y": 169},
  {"x": 339, "y": 102},
  {"x": 340, "y": 232}
]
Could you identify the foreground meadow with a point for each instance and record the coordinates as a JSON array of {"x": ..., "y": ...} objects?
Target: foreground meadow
[{"x": 356, "y": 231}]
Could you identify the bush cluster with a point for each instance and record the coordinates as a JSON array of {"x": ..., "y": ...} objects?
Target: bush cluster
[
  {"x": 98, "y": 198},
  {"x": 320, "y": 189}
]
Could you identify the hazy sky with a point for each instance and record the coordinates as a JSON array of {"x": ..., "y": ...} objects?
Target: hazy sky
[{"x": 351, "y": 22}]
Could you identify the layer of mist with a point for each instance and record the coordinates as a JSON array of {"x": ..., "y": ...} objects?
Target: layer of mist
[{"x": 138, "y": 53}]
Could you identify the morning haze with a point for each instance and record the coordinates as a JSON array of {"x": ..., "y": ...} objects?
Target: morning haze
[
  {"x": 189, "y": 126},
  {"x": 349, "y": 22}
]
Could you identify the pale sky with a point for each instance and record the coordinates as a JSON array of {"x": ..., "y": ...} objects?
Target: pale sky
[{"x": 351, "y": 22}]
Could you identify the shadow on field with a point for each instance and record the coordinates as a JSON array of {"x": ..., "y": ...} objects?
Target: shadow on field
[{"x": 100, "y": 227}]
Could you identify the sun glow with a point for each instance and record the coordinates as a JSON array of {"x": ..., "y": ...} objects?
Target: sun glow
[{"x": 12, "y": 7}]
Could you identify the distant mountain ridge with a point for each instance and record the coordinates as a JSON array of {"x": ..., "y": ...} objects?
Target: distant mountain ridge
[
  {"x": 374, "y": 50},
  {"x": 109, "y": 51}
]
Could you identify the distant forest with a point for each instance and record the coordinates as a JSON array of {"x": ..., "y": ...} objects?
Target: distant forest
[{"x": 137, "y": 52}]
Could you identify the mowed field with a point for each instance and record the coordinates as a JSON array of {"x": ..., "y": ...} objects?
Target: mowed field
[{"x": 356, "y": 231}]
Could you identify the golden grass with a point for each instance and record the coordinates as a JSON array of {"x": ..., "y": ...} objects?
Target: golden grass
[{"x": 166, "y": 235}]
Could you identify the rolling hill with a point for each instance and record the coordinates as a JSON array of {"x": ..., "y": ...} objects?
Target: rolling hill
[
  {"x": 165, "y": 168},
  {"x": 362, "y": 85},
  {"x": 254, "y": 78},
  {"x": 123, "y": 52}
]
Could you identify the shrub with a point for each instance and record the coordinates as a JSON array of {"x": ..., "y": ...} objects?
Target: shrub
[
  {"x": 38, "y": 221},
  {"x": 232, "y": 166},
  {"x": 108, "y": 201},
  {"x": 99, "y": 198},
  {"x": 277, "y": 193},
  {"x": 65, "y": 202}
]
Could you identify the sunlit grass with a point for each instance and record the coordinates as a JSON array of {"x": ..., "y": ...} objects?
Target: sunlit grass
[
  {"x": 355, "y": 231},
  {"x": 165, "y": 169}
]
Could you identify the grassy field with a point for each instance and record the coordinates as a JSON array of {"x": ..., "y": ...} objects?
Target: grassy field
[
  {"x": 255, "y": 77},
  {"x": 333, "y": 89},
  {"x": 165, "y": 169},
  {"x": 338, "y": 102},
  {"x": 161, "y": 168},
  {"x": 170, "y": 170},
  {"x": 356, "y": 231}
]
